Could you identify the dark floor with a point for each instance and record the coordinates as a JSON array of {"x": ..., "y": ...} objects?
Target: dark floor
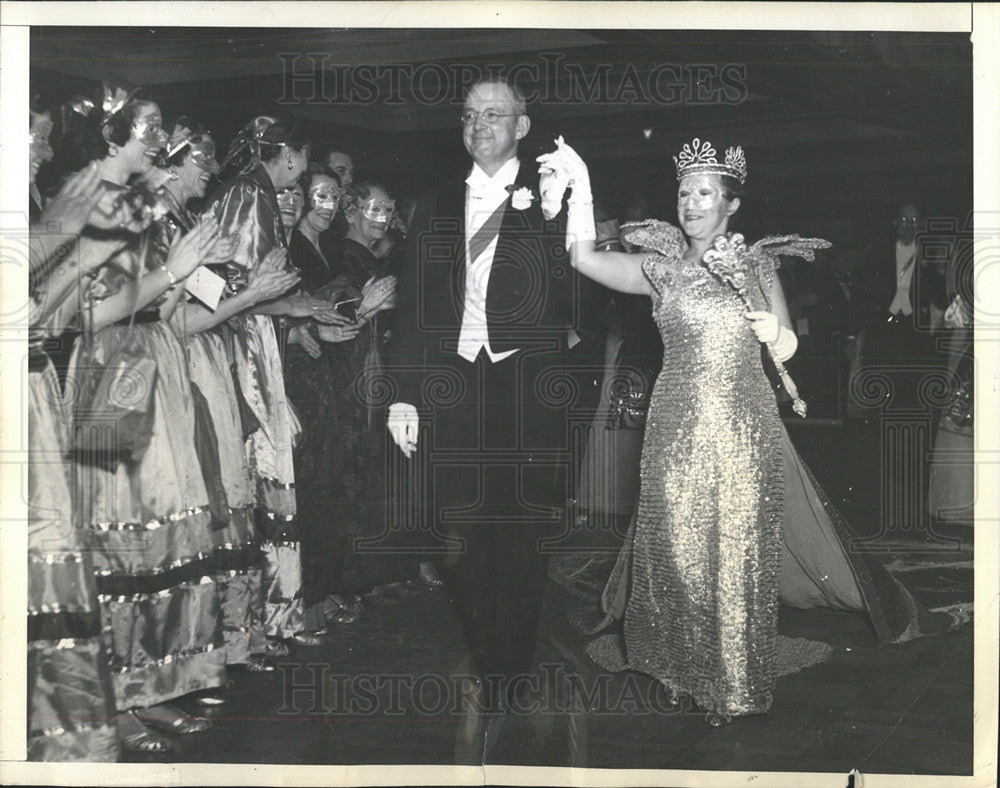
[{"x": 386, "y": 689}]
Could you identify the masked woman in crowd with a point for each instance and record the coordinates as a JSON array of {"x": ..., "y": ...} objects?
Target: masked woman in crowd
[
  {"x": 71, "y": 705},
  {"x": 266, "y": 156},
  {"x": 371, "y": 512},
  {"x": 190, "y": 160},
  {"x": 135, "y": 471},
  {"x": 310, "y": 377}
]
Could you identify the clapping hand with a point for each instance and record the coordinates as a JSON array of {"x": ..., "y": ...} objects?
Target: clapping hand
[
  {"x": 84, "y": 199},
  {"x": 377, "y": 295},
  {"x": 300, "y": 336},
  {"x": 72, "y": 206},
  {"x": 269, "y": 278},
  {"x": 317, "y": 309},
  {"x": 343, "y": 333},
  {"x": 187, "y": 252}
]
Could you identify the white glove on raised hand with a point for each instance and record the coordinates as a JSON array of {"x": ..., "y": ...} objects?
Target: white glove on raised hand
[
  {"x": 403, "y": 422},
  {"x": 565, "y": 164},
  {"x": 552, "y": 185},
  {"x": 768, "y": 330}
]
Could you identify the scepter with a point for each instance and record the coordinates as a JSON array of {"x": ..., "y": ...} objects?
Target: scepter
[{"x": 727, "y": 261}]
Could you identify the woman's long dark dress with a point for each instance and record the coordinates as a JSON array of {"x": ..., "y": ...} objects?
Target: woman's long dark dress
[
  {"x": 368, "y": 516},
  {"x": 309, "y": 384}
]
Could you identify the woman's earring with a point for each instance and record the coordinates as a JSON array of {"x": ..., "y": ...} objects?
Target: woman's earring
[{"x": 112, "y": 151}]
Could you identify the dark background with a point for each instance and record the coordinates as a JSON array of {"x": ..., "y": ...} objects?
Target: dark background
[{"x": 836, "y": 126}]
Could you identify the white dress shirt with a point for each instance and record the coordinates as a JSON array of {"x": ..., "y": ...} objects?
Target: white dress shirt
[
  {"x": 483, "y": 196},
  {"x": 906, "y": 256}
]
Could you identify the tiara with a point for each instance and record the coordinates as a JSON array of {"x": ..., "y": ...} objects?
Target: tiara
[{"x": 699, "y": 157}]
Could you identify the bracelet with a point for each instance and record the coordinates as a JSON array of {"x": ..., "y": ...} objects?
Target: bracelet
[{"x": 170, "y": 276}]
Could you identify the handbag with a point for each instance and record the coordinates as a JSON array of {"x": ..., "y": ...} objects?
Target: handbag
[{"x": 113, "y": 415}]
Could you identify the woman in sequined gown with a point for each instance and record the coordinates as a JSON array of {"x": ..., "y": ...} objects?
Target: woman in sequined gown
[{"x": 697, "y": 584}]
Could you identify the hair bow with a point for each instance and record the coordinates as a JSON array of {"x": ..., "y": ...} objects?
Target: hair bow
[{"x": 114, "y": 101}]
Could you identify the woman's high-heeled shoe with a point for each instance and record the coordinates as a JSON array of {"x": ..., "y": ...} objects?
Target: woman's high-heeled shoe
[
  {"x": 337, "y": 610},
  {"x": 210, "y": 700},
  {"x": 307, "y": 639},
  {"x": 137, "y": 737},
  {"x": 258, "y": 664},
  {"x": 181, "y": 722},
  {"x": 429, "y": 576},
  {"x": 717, "y": 719},
  {"x": 275, "y": 649}
]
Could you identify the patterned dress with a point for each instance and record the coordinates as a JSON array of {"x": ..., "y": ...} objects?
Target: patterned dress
[
  {"x": 70, "y": 701},
  {"x": 237, "y": 564},
  {"x": 148, "y": 518},
  {"x": 248, "y": 214}
]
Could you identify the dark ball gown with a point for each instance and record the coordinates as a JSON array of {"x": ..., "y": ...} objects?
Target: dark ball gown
[
  {"x": 370, "y": 504},
  {"x": 309, "y": 384}
]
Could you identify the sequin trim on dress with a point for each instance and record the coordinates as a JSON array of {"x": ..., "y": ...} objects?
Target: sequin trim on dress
[{"x": 152, "y": 525}]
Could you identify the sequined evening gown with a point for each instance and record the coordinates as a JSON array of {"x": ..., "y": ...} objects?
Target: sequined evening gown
[
  {"x": 702, "y": 615},
  {"x": 729, "y": 520}
]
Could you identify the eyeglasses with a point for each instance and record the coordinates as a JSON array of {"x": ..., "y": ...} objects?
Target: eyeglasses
[{"x": 489, "y": 116}]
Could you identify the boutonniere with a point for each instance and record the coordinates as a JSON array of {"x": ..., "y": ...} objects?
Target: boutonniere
[{"x": 522, "y": 198}]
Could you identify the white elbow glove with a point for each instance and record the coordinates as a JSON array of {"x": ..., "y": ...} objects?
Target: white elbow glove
[
  {"x": 785, "y": 345},
  {"x": 564, "y": 165},
  {"x": 768, "y": 330}
]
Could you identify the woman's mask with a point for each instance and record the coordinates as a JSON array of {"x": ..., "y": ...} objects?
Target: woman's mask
[
  {"x": 290, "y": 199},
  {"x": 378, "y": 210},
  {"x": 699, "y": 193},
  {"x": 324, "y": 198},
  {"x": 203, "y": 155},
  {"x": 149, "y": 131}
]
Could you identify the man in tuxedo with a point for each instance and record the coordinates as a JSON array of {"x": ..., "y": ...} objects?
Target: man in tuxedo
[
  {"x": 483, "y": 329},
  {"x": 905, "y": 292}
]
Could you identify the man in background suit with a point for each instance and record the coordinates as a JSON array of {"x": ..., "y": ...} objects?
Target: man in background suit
[
  {"x": 483, "y": 328},
  {"x": 902, "y": 291}
]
